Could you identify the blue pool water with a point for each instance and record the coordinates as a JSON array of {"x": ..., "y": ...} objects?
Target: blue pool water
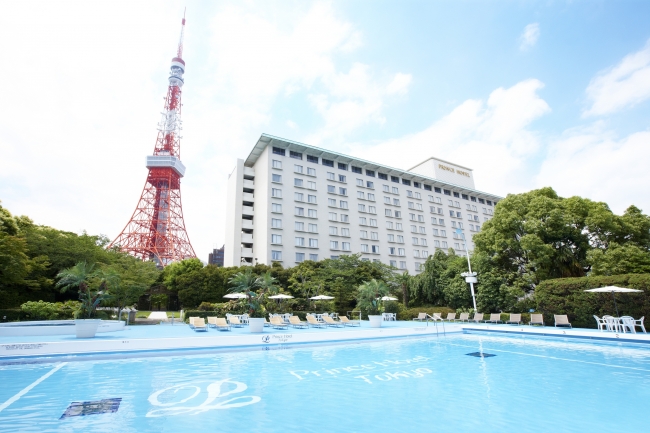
[{"x": 432, "y": 384}]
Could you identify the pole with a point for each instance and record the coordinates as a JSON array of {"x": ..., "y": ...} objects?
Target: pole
[
  {"x": 471, "y": 276},
  {"x": 615, "y": 306}
]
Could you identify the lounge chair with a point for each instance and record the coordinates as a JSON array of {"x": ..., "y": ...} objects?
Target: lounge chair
[
  {"x": 330, "y": 322},
  {"x": 347, "y": 322},
  {"x": 221, "y": 324},
  {"x": 536, "y": 319},
  {"x": 421, "y": 317},
  {"x": 295, "y": 322},
  {"x": 278, "y": 323},
  {"x": 212, "y": 321},
  {"x": 234, "y": 322},
  {"x": 562, "y": 320},
  {"x": 199, "y": 324},
  {"x": 450, "y": 317},
  {"x": 464, "y": 317},
  {"x": 494, "y": 318},
  {"x": 191, "y": 321},
  {"x": 311, "y": 320},
  {"x": 435, "y": 317},
  {"x": 515, "y": 319},
  {"x": 477, "y": 317}
]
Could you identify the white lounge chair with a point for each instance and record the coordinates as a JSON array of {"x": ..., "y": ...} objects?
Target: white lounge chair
[
  {"x": 199, "y": 324},
  {"x": 330, "y": 322},
  {"x": 234, "y": 322},
  {"x": 347, "y": 322},
  {"x": 477, "y": 317},
  {"x": 464, "y": 317},
  {"x": 221, "y": 324},
  {"x": 561, "y": 320},
  {"x": 278, "y": 323},
  {"x": 436, "y": 317},
  {"x": 314, "y": 323},
  {"x": 295, "y": 322},
  {"x": 450, "y": 317},
  {"x": 421, "y": 317},
  {"x": 494, "y": 318},
  {"x": 515, "y": 319},
  {"x": 536, "y": 319},
  {"x": 191, "y": 321}
]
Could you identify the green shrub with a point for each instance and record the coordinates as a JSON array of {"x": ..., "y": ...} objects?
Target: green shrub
[
  {"x": 41, "y": 310},
  {"x": 568, "y": 296},
  {"x": 13, "y": 315},
  {"x": 412, "y": 313}
]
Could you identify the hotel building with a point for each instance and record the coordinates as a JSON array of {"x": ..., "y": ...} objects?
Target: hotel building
[{"x": 289, "y": 202}]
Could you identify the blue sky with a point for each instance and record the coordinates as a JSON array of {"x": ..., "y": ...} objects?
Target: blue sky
[{"x": 528, "y": 94}]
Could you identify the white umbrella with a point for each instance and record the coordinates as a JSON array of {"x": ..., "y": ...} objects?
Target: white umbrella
[
  {"x": 281, "y": 296},
  {"x": 388, "y": 298},
  {"x": 321, "y": 297},
  {"x": 612, "y": 290},
  {"x": 235, "y": 296}
]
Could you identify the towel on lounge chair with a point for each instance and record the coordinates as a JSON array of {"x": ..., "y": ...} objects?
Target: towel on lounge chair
[
  {"x": 330, "y": 322},
  {"x": 221, "y": 324},
  {"x": 297, "y": 323},
  {"x": 515, "y": 319},
  {"x": 311, "y": 320},
  {"x": 347, "y": 322},
  {"x": 199, "y": 324},
  {"x": 562, "y": 320}
]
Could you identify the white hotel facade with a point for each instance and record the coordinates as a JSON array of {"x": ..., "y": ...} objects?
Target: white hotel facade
[{"x": 289, "y": 202}]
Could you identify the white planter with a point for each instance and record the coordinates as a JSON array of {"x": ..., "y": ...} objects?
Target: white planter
[
  {"x": 256, "y": 324},
  {"x": 375, "y": 321},
  {"x": 86, "y": 328}
]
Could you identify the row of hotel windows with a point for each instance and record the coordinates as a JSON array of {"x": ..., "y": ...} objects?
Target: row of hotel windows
[
  {"x": 365, "y": 248},
  {"x": 342, "y": 166}
]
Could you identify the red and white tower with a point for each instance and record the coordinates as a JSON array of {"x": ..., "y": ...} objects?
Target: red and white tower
[{"x": 156, "y": 230}]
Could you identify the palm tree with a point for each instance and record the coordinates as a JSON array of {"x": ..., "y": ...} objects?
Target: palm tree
[
  {"x": 267, "y": 284},
  {"x": 79, "y": 276},
  {"x": 369, "y": 296},
  {"x": 404, "y": 281},
  {"x": 246, "y": 282}
]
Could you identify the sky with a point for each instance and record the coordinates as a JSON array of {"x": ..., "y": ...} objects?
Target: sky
[{"x": 526, "y": 93}]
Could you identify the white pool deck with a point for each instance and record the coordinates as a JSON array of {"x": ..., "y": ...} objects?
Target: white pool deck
[{"x": 179, "y": 336}]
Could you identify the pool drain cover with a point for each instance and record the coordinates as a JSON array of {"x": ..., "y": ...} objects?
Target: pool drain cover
[
  {"x": 480, "y": 354},
  {"x": 83, "y": 408}
]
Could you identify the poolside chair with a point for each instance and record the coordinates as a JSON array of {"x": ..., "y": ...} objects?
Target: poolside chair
[
  {"x": 221, "y": 324},
  {"x": 536, "y": 319},
  {"x": 421, "y": 317},
  {"x": 212, "y": 321},
  {"x": 314, "y": 323},
  {"x": 295, "y": 322},
  {"x": 464, "y": 317},
  {"x": 191, "y": 321},
  {"x": 627, "y": 323},
  {"x": 561, "y": 320},
  {"x": 278, "y": 323},
  {"x": 199, "y": 324},
  {"x": 235, "y": 323},
  {"x": 515, "y": 319},
  {"x": 330, "y": 322},
  {"x": 436, "y": 317},
  {"x": 494, "y": 318},
  {"x": 477, "y": 317},
  {"x": 639, "y": 323},
  {"x": 347, "y": 322},
  {"x": 450, "y": 317},
  {"x": 602, "y": 323}
]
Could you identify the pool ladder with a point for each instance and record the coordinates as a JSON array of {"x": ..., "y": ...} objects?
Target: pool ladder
[{"x": 435, "y": 322}]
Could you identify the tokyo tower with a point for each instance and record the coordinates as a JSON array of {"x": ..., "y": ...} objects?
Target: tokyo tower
[{"x": 156, "y": 230}]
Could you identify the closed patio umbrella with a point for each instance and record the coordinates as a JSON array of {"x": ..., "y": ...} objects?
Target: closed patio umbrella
[
  {"x": 612, "y": 290},
  {"x": 321, "y": 297},
  {"x": 281, "y": 296}
]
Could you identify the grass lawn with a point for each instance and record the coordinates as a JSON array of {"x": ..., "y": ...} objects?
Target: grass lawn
[{"x": 141, "y": 314}]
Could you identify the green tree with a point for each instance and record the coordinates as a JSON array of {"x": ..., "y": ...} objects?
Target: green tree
[
  {"x": 176, "y": 269},
  {"x": 369, "y": 296},
  {"x": 619, "y": 259},
  {"x": 80, "y": 276}
]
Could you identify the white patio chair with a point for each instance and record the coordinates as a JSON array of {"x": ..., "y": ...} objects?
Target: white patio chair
[
  {"x": 602, "y": 323},
  {"x": 627, "y": 323},
  {"x": 612, "y": 323},
  {"x": 639, "y": 323}
]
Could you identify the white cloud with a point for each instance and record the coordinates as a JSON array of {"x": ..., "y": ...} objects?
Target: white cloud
[
  {"x": 492, "y": 137},
  {"x": 529, "y": 37},
  {"x": 594, "y": 163},
  {"x": 620, "y": 86}
]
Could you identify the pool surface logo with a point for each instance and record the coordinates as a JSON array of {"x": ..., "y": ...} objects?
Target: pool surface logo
[
  {"x": 214, "y": 401},
  {"x": 266, "y": 339}
]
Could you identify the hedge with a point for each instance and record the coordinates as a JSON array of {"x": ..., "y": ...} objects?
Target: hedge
[
  {"x": 568, "y": 296},
  {"x": 14, "y": 315}
]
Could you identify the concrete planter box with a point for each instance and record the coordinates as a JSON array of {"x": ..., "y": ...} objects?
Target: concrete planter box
[
  {"x": 256, "y": 324},
  {"x": 375, "y": 321},
  {"x": 86, "y": 328}
]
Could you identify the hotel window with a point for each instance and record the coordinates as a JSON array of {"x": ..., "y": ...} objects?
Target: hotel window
[
  {"x": 298, "y": 196},
  {"x": 276, "y": 255},
  {"x": 342, "y": 178},
  {"x": 391, "y": 238},
  {"x": 388, "y": 212},
  {"x": 334, "y": 231},
  {"x": 331, "y": 189},
  {"x": 412, "y": 216},
  {"x": 331, "y": 176},
  {"x": 375, "y": 249},
  {"x": 362, "y": 207},
  {"x": 313, "y": 243},
  {"x": 382, "y": 176},
  {"x": 311, "y": 198},
  {"x": 277, "y": 193},
  {"x": 276, "y": 223},
  {"x": 435, "y": 232},
  {"x": 374, "y": 236},
  {"x": 447, "y": 192},
  {"x": 490, "y": 211},
  {"x": 344, "y": 218},
  {"x": 356, "y": 169},
  {"x": 297, "y": 182},
  {"x": 419, "y": 266},
  {"x": 327, "y": 162},
  {"x": 451, "y": 203},
  {"x": 456, "y": 245},
  {"x": 416, "y": 253},
  {"x": 475, "y": 217},
  {"x": 334, "y": 257},
  {"x": 471, "y": 227},
  {"x": 456, "y": 195},
  {"x": 480, "y": 200},
  {"x": 444, "y": 244},
  {"x": 370, "y": 173},
  {"x": 299, "y": 226},
  {"x": 389, "y": 225},
  {"x": 311, "y": 185},
  {"x": 331, "y": 216},
  {"x": 400, "y": 239},
  {"x": 457, "y": 204},
  {"x": 401, "y": 252},
  {"x": 363, "y": 234},
  {"x": 409, "y": 193},
  {"x": 313, "y": 257},
  {"x": 440, "y": 211},
  {"x": 423, "y": 242},
  {"x": 470, "y": 217},
  {"x": 459, "y": 215},
  {"x": 300, "y": 242},
  {"x": 436, "y": 244},
  {"x": 343, "y": 191},
  {"x": 312, "y": 213},
  {"x": 418, "y": 195},
  {"x": 391, "y": 251},
  {"x": 313, "y": 228},
  {"x": 468, "y": 206},
  {"x": 398, "y": 226},
  {"x": 345, "y": 232},
  {"x": 393, "y": 263},
  {"x": 474, "y": 208},
  {"x": 360, "y": 195},
  {"x": 371, "y": 197},
  {"x": 300, "y": 257},
  {"x": 276, "y": 164},
  {"x": 297, "y": 168},
  {"x": 276, "y": 208},
  {"x": 419, "y": 206},
  {"x": 373, "y": 222},
  {"x": 311, "y": 171},
  {"x": 411, "y": 205},
  {"x": 452, "y": 213},
  {"x": 432, "y": 209},
  {"x": 312, "y": 159},
  {"x": 421, "y": 218},
  {"x": 414, "y": 229},
  {"x": 364, "y": 248},
  {"x": 433, "y": 221},
  {"x": 334, "y": 245},
  {"x": 406, "y": 182},
  {"x": 300, "y": 211},
  {"x": 438, "y": 200},
  {"x": 345, "y": 246},
  {"x": 342, "y": 166},
  {"x": 443, "y": 233},
  {"x": 396, "y": 201},
  {"x": 465, "y": 196},
  {"x": 363, "y": 221},
  {"x": 278, "y": 151},
  {"x": 472, "y": 198},
  {"x": 431, "y": 198},
  {"x": 276, "y": 239},
  {"x": 370, "y": 185},
  {"x": 415, "y": 241},
  {"x": 423, "y": 230},
  {"x": 489, "y": 202},
  {"x": 296, "y": 155},
  {"x": 343, "y": 204},
  {"x": 478, "y": 227},
  {"x": 359, "y": 182},
  {"x": 386, "y": 200},
  {"x": 427, "y": 187},
  {"x": 331, "y": 202},
  {"x": 276, "y": 178},
  {"x": 372, "y": 209},
  {"x": 395, "y": 190},
  {"x": 394, "y": 179}
]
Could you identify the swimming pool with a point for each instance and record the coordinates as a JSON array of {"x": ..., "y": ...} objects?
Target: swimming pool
[{"x": 530, "y": 383}]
